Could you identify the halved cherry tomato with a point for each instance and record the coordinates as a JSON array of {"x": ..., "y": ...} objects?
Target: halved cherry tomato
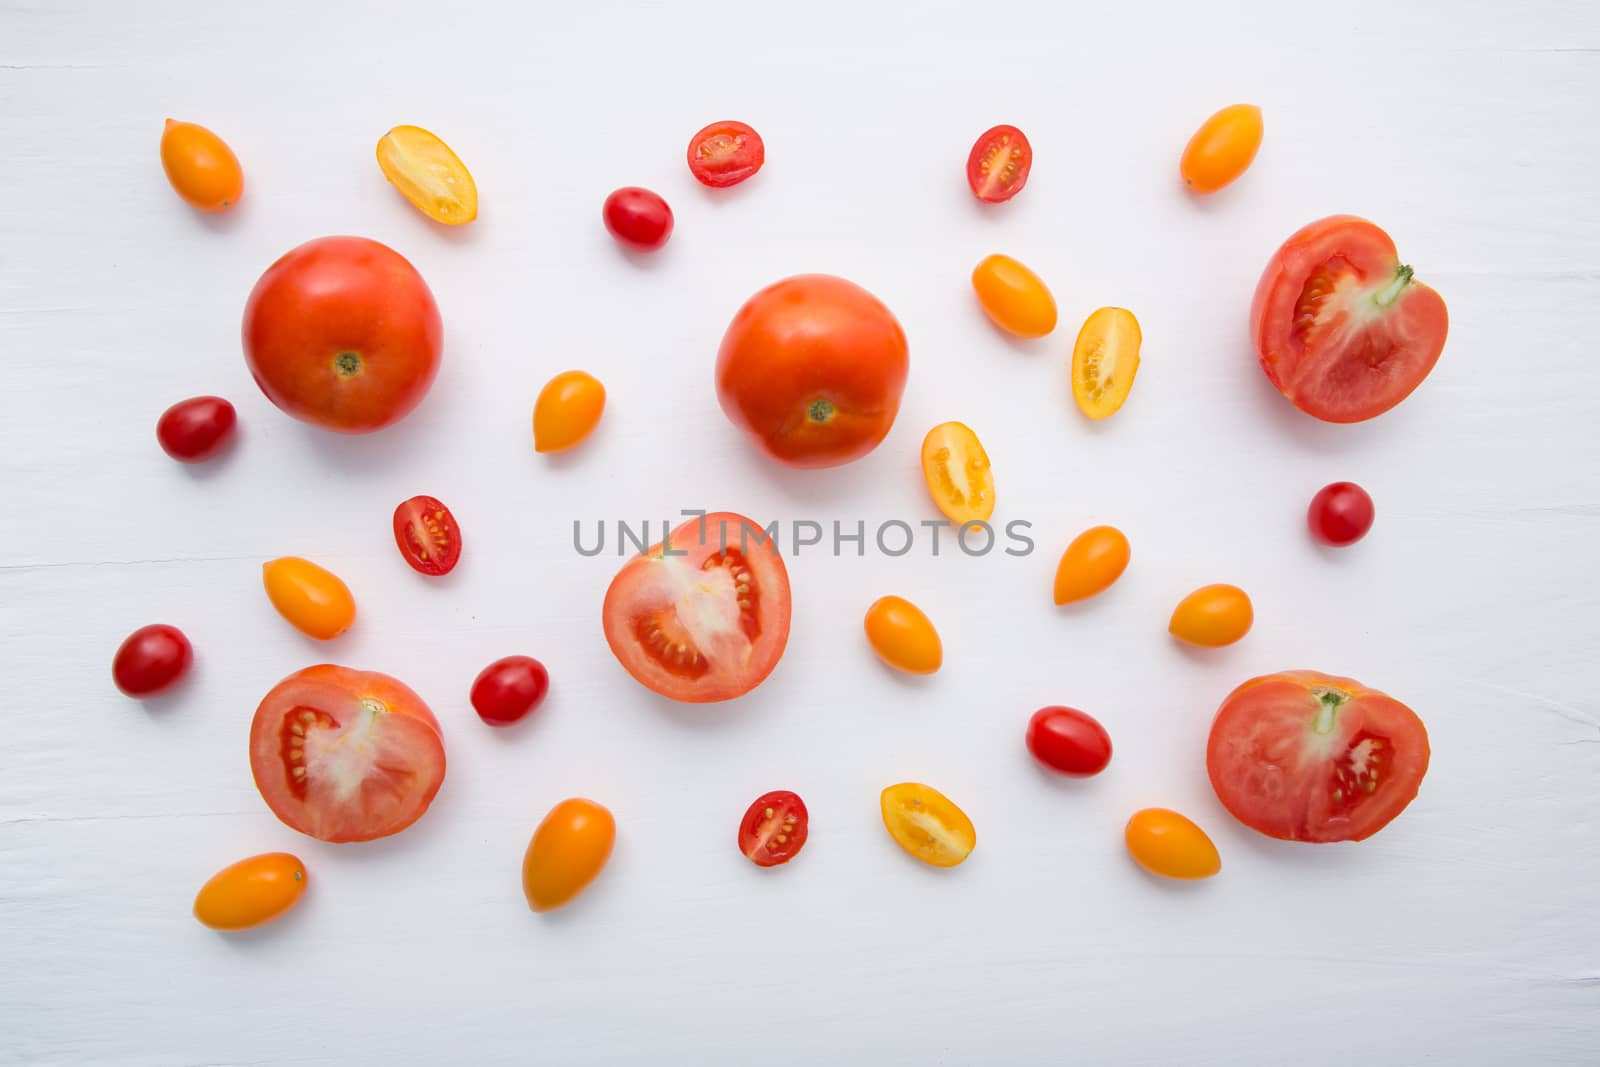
[
  {"x": 196, "y": 429},
  {"x": 998, "y": 165},
  {"x": 902, "y": 636},
  {"x": 1342, "y": 328},
  {"x": 773, "y": 830},
  {"x": 1013, "y": 297},
  {"x": 725, "y": 153},
  {"x": 1105, "y": 359},
  {"x": 1170, "y": 845},
  {"x": 1069, "y": 741},
  {"x": 570, "y": 847},
  {"x": 428, "y": 174},
  {"x": 1092, "y": 562},
  {"x": 428, "y": 536},
  {"x": 151, "y": 659},
  {"x": 1213, "y": 616},
  {"x": 812, "y": 368},
  {"x": 927, "y": 824},
  {"x": 567, "y": 411},
  {"x": 314, "y": 600},
  {"x": 704, "y": 615},
  {"x": 1312, "y": 757},
  {"x": 956, "y": 469},
  {"x": 1222, "y": 148},
  {"x": 508, "y": 689},
  {"x": 345, "y": 755},
  {"x": 201, "y": 167},
  {"x": 1340, "y": 514},
  {"x": 251, "y": 892},
  {"x": 638, "y": 218}
]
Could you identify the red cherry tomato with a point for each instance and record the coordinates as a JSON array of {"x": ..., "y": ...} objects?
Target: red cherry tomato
[
  {"x": 509, "y": 688},
  {"x": 726, "y": 153},
  {"x": 774, "y": 828},
  {"x": 343, "y": 333},
  {"x": 428, "y": 536},
  {"x": 1068, "y": 741},
  {"x": 1340, "y": 514},
  {"x": 196, "y": 429},
  {"x": 998, "y": 166},
  {"x": 638, "y": 218},
  {"x": 151, "y": 659}
]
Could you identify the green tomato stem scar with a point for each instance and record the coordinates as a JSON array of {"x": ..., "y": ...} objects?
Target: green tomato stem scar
[
  {"x": 374, "y": 707},
  {"x": 1391, "y": 292},
  {"x": 347, "y": 364},
  {"x": 821, "y": 410},
  {"x": 1329, "y": 702}
]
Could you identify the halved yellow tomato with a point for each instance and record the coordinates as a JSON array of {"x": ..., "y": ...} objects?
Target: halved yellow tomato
[
  {"x": 956, "y": 468},
  {"x": 428, "y": 174},
  {"x": 1014, "y": 297},
  {"x": 902, "y": 636},
  {"x": 927, "y": 824},
  {"x": 251, "y": 892},
  {"x": 1095, "y": 559},
  {"x": 1104, "y": 360}
]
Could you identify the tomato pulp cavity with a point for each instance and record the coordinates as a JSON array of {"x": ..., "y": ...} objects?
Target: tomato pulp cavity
[
  {"x": 428, "y": 536},
  {"x": 774, "y": 828},
  {"x": 998, "y": 165}
]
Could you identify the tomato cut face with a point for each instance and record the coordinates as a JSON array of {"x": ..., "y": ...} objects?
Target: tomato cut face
[
  {"x": 998, "y": 165},
  {"x": 1342, "y": 328},
  {"x": 428, "y": 536},
  {"x": 927, "y": 824},
  {"x": 345, "y": 755},
  {"x": 956, "y": 469},
  {"x": 704, "y": 615},
  {"x": 726, "y": 153},
  {"x": 428, "y": 174},
  {"x": 1310, "y": 757},
  {"x": 773, "y": 830},
  {"x": 1105, "y": 359}
]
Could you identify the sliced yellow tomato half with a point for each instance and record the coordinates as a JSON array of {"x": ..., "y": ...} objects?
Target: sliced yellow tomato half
[
  {"x": 927, "y": 824},
  {"x": 428, "y": 174},
  {"x": 956, "y": 468},
  {"x": 1104, "y": 361}
]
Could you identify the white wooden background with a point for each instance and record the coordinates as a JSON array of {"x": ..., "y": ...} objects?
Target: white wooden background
[{"x": 1467, "y": 933}]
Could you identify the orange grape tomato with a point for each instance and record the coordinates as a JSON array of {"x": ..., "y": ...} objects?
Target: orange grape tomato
[
  {"x": 568, "y": 850},
  {"x": 902, "y": 636},
  {"x": 201, "y": 167},
  {"x": 428, "y": 174},
  {"x": 1104, "y": 360},
  {"x": 1222, "y": 148},
  {"x": 251, "y": 892},
  {"x": 1092, "y": 562},
  {"x": 1014, "y": 297},
  {"x": 927, "y": 824},
  {"x": 1213, "y": 616},
  {"x": 956, "y": 468},
  {"x": 1165, "y": 843},
  {"x": 567, "y": 411},
  {"x": 313, "y": 599}
]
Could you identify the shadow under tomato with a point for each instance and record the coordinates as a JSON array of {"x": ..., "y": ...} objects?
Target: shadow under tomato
[{"x": 394, "y": 447}]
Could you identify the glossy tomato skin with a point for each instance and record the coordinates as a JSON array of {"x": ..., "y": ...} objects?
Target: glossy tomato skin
[
  {"x": 1171, "y": 845},
  {"x": 1222, "y": 148},
  {"x": 251, "y": 892},
  {"x": 345, "y": 755},
  {"x": 343, "y": 333},
  {"x": 774, "y": 828},
  {"x": 998, "y": 165},
  {"x": 812, "y": 368},
  {"x": 1341, "y": 327},
  {"x": 726, "y": 153},
  {"x": 637, "y": 218},
  {"x": 151, "y": 660},
  {"x": 568, "y": 850},
  {"x": 312, "y": 599},
  {"x": 428, "y": 536},
  {"x": 508, "y": 689},
  {"x": 201, "y": 167},
  {"x": 567, "y": 411},
  {"x": 1213, "y": 616},
  {"x": 196, "y": 429},
  {"x": 1305, "y": 756},
  {"x": 1014, "y": 298},
  {"x": 1069, "y": 741},
  {"x": 1340, "y": 514},
  {"x": 1091, "y": 564},
  {"x": 704, "y": 615},
  {"x": 902, "y": 636}
]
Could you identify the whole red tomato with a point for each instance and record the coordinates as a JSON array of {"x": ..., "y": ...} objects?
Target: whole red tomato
[
  {"x": 343, "y": 333},
  {"x": 812, "y": 368}
]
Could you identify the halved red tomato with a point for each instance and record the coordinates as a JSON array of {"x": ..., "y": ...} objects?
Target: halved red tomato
[
  {"x": 705, "y": 614},
  {"x": 726, "y": 153},
  {"x": 1304, "y": 756},
  {"x": 428, "y": 535},
  {"x": 774, "y": 828},
  {"x": 345, "y": 755},
  {"x": 998, "y": 165},
  {"x": 1341, "y": 326}
]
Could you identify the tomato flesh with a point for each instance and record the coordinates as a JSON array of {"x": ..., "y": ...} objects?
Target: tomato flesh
[
  {"x": 704, "y": 615},
  {"x": 345, "y": 755},
  {"x": 774, "y": 828},
  {"x": 956, "y": 468},
  {"x": 1305, "y": 756},
  {"x": 1105, "y": 359},
  {"x": 1341, "y": 327},
  {"x": 726, "y": 153},
  {"x": 429, "y": 174},
  {"x": 927, "y": 824},
  {"x": 427, "y": 535},
  {"x": 998, "y": 166}
]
